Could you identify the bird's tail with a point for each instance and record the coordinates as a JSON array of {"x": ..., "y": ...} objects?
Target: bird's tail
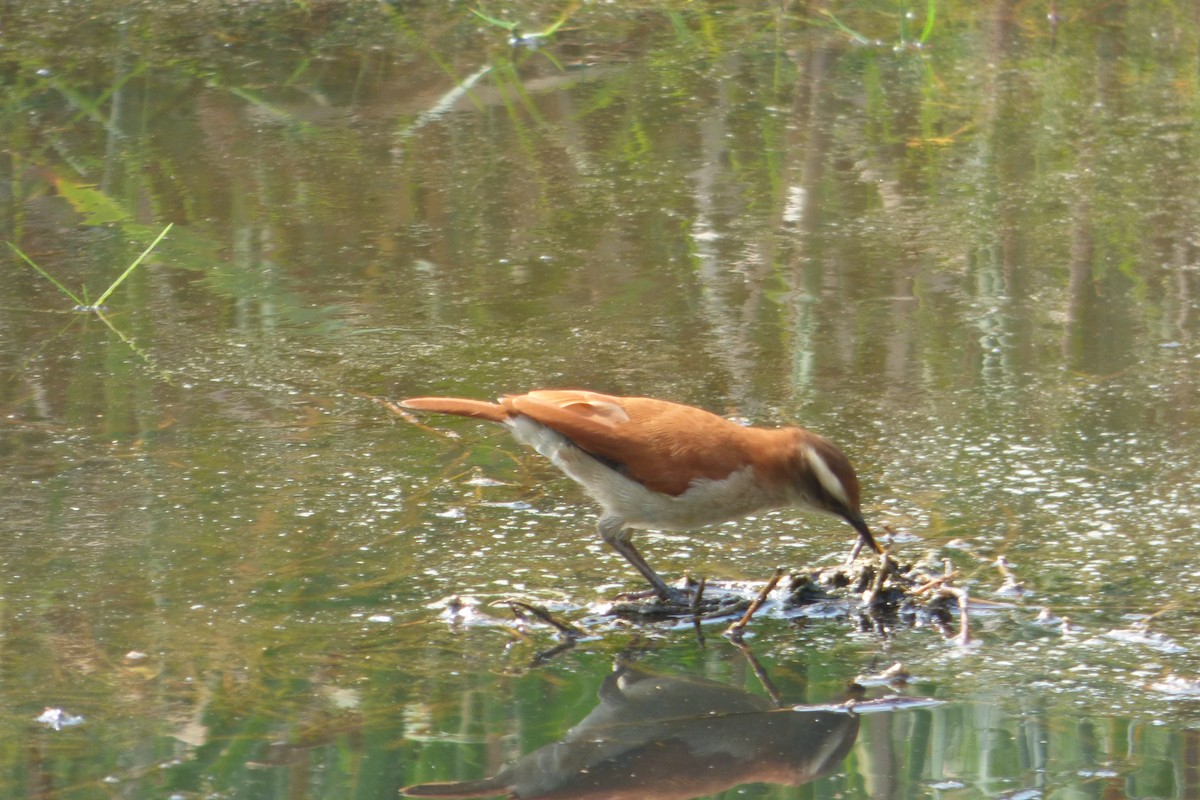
[{"x": 479, "y": 409}]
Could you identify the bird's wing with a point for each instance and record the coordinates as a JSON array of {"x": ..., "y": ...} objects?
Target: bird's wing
[
  {"x": 603, "y": 409},
  {"x": 663, "y": 445}
]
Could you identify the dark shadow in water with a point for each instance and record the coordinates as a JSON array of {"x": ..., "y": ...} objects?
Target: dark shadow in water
[{"x": 670, "y": 738}]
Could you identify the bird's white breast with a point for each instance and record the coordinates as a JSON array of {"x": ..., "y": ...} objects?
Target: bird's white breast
[{"x": 706, "y": 502}]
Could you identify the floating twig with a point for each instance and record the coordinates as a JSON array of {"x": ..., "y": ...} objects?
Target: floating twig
[
  {"x": 1010, "y": 586},
  {"x": 547, "y": 655},
  {"x": 565, "y": 628},
  {"x": 886, "y": 565},
  {"x": 734, "y": 631},
  {"x": 964, "y": 627},
  {"x": 935, "y": 583},
  {"x": 896, "y": 674}
]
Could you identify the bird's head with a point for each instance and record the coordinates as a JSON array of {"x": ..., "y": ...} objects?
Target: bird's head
[{"x": 825, "y": 481}]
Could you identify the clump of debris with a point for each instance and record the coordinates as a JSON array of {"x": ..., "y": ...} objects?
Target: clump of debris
[{"x": 883, "y": 591}]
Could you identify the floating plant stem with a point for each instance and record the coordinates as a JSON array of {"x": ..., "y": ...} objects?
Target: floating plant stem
[
  {"x": 83, "y": 305},
  {"x": 45, "y": 274},
  {"x": 100, "y": 300}
]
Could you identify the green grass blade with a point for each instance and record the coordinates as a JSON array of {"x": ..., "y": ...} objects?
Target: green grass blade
[
  {"x": 100, "y": 300},
  {"x": 837, "y": 23},
  {"x": 499, "y": 23},
  {"x": 562, "y": 18},
  {"x": 930, "y": 16},
  {"x": 45, "y": 274}
]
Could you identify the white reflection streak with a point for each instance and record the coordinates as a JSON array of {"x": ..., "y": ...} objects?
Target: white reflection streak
[
  {"x": 446, "y": 102},
  {"x": 729, "y": 340}
]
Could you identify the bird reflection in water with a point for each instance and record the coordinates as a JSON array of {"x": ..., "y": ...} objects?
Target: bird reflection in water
[{"x": 658, "y": 737}]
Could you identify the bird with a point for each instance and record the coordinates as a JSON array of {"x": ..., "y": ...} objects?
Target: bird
[{"x": 659, "y": 465}]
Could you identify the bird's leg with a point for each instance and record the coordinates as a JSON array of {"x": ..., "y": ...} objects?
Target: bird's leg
[{"x": 614, "y": 532}]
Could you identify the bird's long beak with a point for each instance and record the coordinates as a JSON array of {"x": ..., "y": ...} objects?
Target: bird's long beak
[{"x": 864, "y": 533}]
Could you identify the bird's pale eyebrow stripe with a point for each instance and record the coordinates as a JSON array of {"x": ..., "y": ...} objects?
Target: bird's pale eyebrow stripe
[{"x": 825, "y": 475}]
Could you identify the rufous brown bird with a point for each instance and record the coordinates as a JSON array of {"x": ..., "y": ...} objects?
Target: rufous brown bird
[{"x": 665, "y": 466}]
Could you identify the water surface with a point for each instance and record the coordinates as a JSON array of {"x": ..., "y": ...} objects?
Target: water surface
[{"x": 965, "y": 251}]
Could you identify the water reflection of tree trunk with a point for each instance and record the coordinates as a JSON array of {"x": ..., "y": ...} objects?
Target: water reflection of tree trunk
[
  {"x": 731, "y": 341},
  {"x": 809, "y": 136},
  {"x": 1080, "y": 294},
  {"x": 1006, "y": 340},
  {"x": 1098, "y": 334}
]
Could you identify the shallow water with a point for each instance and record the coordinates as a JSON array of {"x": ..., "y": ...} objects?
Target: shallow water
[{"x": 971, "y": 263}]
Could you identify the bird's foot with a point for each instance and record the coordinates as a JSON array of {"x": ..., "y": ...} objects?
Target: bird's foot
[
  {"x": 668, "y": 595},
  {"x": 680, "y": 596},
  {"x": 642, "y": 595},
  {"x": 676, "y": 602}
]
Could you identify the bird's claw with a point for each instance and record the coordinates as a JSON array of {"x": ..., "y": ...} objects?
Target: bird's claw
[{"x": 667, "y": 595}]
